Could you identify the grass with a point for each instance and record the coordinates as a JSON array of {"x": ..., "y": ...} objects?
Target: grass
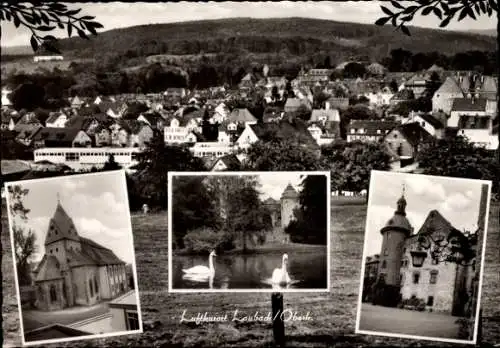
[{"x": 333, "y": 313}]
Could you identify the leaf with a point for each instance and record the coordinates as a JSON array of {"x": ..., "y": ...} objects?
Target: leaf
[
  {"x": 17, "y": 22},
  {"x": 426, "y": 11},
  {"x": 34, "y": 43},
  {"x": 396, "y": 4},
  {"x": 57, "y": 6},
  {"x": 493, "y": 4},
  {"x": 45, "y": 18},
  {"x": 60, "y": 25},
  {"x": 45, "y": 28},
  {"x": 482, "y": 6},
  {"x": 72, "y": 12},
  {"x": 87, "y": 18},
  {"x": 445, "y": 7},
  {"x": 407, "y": 18},
  {"x": 470, "y": 12},
  {"x": 36, "y": 17},
  {"x": 49, "y": 38},
  {"x": 82, "y": 34},
  {"x": 410, "y": 9},
  {"x": 437, "y": 12},
  {"x": 463, "y": 14},
  {"x": 405, "y": 30},
  {"x": 445, "y": 22},
  {"x": 92, "y": 30},
  {"x": 382, "y": 21},
  {"x": 386, "y": 10},
  {"x": 70, "y": 29},
  {"x": 95, "y": 24}
]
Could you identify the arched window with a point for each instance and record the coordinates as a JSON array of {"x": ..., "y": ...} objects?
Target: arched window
[
  {"x": 91, "y": 288},
  {"x": 96, "y": 286},
  {"x": 53, "y": 293}
]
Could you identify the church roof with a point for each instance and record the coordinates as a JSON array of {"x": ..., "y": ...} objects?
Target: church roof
[
  {"x": 48, "y": 269},
  {"x": 289, "y": 192},
  {"x": 61, "y": 226}
]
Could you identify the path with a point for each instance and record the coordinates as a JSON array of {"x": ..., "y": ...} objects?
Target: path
[
  {"x": 401, "y": 321},
  {"x": 33, "y": 319}
]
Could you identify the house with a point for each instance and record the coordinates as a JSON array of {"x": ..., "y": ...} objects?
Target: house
[
  {"x": 227, "y": 162},
  {"x": 337, "y": 103},
  {"x": 8, "y": 121},
  {"x": 178, "y": 128},
  {"x": 26, "y": 132},
  {"x": 124, "y": 313},
  {"x": 75, "y": 271},
  {"x": 325, "y": 115},
  {"x": 272, "y": 114},
  {"x": 488, "y": 87},
  {"x": 175, "y": 92},
  {"x": 76, "y": 102},
  {"x": 221, "y": 113},
  {"x": 242, "y": 116},
  {"x": 211, "y": 149},
  {"x": 466, "y": 107},
  {"x": 403, "y": 141},
  {"x": 442, "y": 100},
  {"x": 120, "y": 134},
  {"x": 56, "y": 120},
  {"x": 5, "y": 97},
  {"x": 478, "y": 129},
  {"x": 61, "y": 137},
  {"x": 247, "y": 82},
  {"x": 153, "y": 119},
  {"x": 402, "y": 96},
  {"x": 368, "y": 130},
  {"x": 380, "y": 98},
  {"x": 417, "y": 84},
  {"x": 431, "y": 124},
  {"x": 294, "y": 104},
  {"x": 140, "y": 133}
]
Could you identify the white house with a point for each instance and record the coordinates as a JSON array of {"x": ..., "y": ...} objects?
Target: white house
[
  {"x": 178, "y": 130},
  {"x": 428, "y": 122},
  {"x": 442, "y": 100},
  {"x": 211, "y": 149},
  {"x": 380, "y": 98},
  {"x": 47, "y": 58},
  {"x": 466, "y": 107},
  {"x": 247, "y": 138},
  {"x": 56, "y": 120},
  {"x": 5, "y": 97}
]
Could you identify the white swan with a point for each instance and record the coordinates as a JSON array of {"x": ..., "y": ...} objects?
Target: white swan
[
  {"x": 202, "y": 271},
  {"x": 280, "y": 275}
]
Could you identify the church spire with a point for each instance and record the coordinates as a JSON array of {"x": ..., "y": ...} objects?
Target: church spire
[{"x": 401, "y": 204}]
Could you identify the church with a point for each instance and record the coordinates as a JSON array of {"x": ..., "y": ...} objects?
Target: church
[
  {"x": 443, "y": 287},
  {"x": 75, "y": 271}
]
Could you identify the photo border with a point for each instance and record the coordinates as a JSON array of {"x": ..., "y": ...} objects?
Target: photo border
[
  {"x": 248, "y": 173},
  {"x": 480, "y": 286},
  {"x": 25, "y": 343}
]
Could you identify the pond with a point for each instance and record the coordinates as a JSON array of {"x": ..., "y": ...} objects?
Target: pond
[{"x": 307, "y": 270}]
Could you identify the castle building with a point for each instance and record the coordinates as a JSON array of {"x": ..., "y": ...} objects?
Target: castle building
[
  {"x": 443, "y": 286},
  {"x": 289, "y": 201},
  {"x": 75, "y": 270}
]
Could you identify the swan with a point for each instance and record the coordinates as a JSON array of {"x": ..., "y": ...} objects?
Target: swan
[
  {"x": 202, "y": 271},
  {"x": 280, "y": 275}
]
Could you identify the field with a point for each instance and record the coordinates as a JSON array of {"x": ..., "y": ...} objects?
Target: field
[{"x": 333, "y": 313}]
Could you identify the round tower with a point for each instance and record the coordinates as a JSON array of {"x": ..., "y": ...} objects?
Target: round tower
[
  {"x": 289, "y": 201},
  {"x": 394, "y": 234}
]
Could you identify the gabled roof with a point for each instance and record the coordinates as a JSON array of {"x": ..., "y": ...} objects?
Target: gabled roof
[
  {"x": 435, "y": 222},
  {"x": 284, "y": 130},
  {"x": 414, "y": 133},
  {"x": 371, "y": 126},
  {"x": 57, "y": 134},
  {"x": 450, "y": 85},
  {"x": 432, "y": 120},
  {"x": 27, "y": 131},
  {"x": 489, "y": 85},
  {"x": 332, "y": 115},
  {"x": 48, "y": 269},
  {"x": 54, "y": 117},
  {"x": 231, "y": 162},
  {"x": 98, "y": 254},
  {"x": 241, "y": 115},
  {"x": 469, "y": 104}
]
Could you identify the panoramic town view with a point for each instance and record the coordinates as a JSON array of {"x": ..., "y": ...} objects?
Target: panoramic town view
[{"x": 151, "y": 88}]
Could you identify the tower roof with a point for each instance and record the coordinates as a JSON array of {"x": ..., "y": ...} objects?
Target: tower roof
[
  {"x": 61, "y": 226},
  {"x": 399, "y": 222},
  {"x": 289, "y": 192}
]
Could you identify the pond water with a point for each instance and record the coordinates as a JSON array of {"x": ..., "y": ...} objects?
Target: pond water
[{"x": 307, "y": 270}]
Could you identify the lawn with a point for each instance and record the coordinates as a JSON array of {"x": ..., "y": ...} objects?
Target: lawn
[{"x": 333, "y": 313}]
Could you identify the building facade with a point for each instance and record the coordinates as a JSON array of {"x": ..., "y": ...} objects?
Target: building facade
[{"x": 75, "y": 270}]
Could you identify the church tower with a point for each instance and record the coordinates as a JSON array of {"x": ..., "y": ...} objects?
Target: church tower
[
  {"x": 394, "y": 234},
  {"x": 289, "y": 201}
]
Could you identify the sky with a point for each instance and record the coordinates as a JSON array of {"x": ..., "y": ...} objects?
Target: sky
[
  {"x": 456, "y": 199},
  {"x": 120, "y": 15},
  {"x": 97, "y": 203},
  {"x": 274, "y": 183}
]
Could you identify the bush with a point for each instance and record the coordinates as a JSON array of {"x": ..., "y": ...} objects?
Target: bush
[
  {"x": 203, "y": 240},
  {"x": 414, "y": 304}
]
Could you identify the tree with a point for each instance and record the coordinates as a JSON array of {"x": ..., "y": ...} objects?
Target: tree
[
  {"x": 111, "y": 164},
  {"x": 309, "y": 225},
  {"x": 154, "y": 164},
  {"x": 27, "y": 96},
  {"x": 457, "y": 157},
  {"x": 354, "y": 69},
  {"x": 24, "y": 242},
  {"x": 41, "y": 18},
  {"x": 351, "y": 163},
  {"x": 281, "y": 155}
]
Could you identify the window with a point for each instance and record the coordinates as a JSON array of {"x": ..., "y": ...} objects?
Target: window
[
  {"x": 395, "y": 135},
  {"x": 433, "y": 278},
  {"x": 430, "y": 301},
  {"x": 91, "y": 288},
  {"x": 386, "y": 252},
  {"x": 401, "y": 279},
  {"x": 132, "y": 320},
  {"x": 53, "y": 293},
  {"x": 96, "y": 287},
  {"x": 384, "y": 264},
  {"x": 434, "y": 261},
  {"x": 416, "y": 277},
  {"x": 57, "y": 250},
  {"x": 381, "y": 277}
]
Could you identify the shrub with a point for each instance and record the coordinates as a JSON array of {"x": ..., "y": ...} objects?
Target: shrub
[{"x": 204, "y": 240}]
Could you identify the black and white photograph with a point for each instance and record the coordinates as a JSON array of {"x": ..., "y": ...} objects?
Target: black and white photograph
[
  {"x": 226, "y": 87},
  {"x": 249, "y": 231},
  {"x": 424, "y": 246},
  {"x": 74, "y": 252}
]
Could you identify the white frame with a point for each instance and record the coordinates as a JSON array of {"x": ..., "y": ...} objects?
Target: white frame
[
  {"x": 478, "y": 306},
  {"x": 270, "y": 290},
  {"x": 121, "y": 176}
]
